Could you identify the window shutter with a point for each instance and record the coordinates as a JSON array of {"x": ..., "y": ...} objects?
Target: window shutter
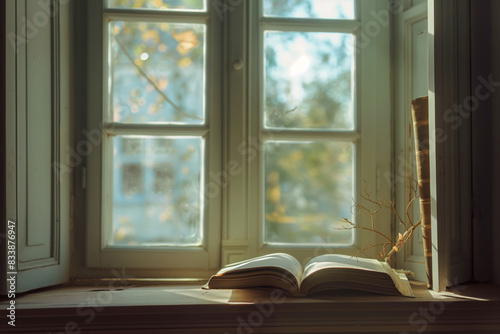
[
  {"x": 450, "y": 161},
  {"x": 38, "y": 92}
]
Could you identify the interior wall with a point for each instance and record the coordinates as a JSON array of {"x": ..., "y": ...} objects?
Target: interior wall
[
  {"x": 483, "y": 130},
  {"x": 486, "y": 140},
  {"x": 495, "y": 38}
]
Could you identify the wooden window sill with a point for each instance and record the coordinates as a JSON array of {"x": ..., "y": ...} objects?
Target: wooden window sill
[{"x": 189, "y": 309}]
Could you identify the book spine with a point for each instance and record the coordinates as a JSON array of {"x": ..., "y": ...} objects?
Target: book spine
[{"x": 420, "y": 116}]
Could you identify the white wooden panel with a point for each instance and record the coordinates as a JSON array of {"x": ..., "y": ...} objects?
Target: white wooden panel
[
  {"x": 410, "y": 72},
  {"x": 374, "y": 118},
  {"x": 10, "y": 134},
  {"x": 419, "y": 88},
  {"x": 235, "y": 225},
  {"x": 34, "y": 130},
  {"x": 440, "y": 253},
  {"x": 39, "y": 99},
  {"x": 39, "y": 132},
  {"x": 20, "y": 124},
  {"x": 419, "y": 58},
  {"x": 450, "y": 151},
  {"x": 418, "y": 2}
]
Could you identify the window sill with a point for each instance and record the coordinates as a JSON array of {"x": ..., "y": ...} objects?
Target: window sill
[{"x": 188, "y": 309}]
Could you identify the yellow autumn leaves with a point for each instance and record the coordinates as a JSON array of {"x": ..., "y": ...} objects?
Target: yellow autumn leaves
[
  {"x": 158, "y": 4},
  {"x": 187, "y": 40}
]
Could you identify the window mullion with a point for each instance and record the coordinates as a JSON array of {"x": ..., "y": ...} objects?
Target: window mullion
[
  {"x": 309, "y": 25},
  {"x": 155, "y": 16},
  {"x": 346, "y": 136},
  {"x": 116, "y": 129},
  {"x": 237, "y": 233}
]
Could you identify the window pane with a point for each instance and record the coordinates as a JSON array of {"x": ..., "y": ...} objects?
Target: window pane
[
  {"x": 308, "y": 189},
  {"x": 132, "y": 179},
  {"x": 190, "y": 5},
  {"x": 164, "y": 178},
  {"x": 131, "y": 146},
  {"x": 157, "y": 72},
  {"x": 322, "y": 9},
  {"x": 157, "y": 192},
  {"x": 308, "y": 80}
]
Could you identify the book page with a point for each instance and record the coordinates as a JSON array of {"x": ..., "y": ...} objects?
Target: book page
[
  {"x": 342, "y": 261},
  {"x": 400, "y": 281},
  {"x": 345, "y": 261},
  {"x": 278, "y": 260}
]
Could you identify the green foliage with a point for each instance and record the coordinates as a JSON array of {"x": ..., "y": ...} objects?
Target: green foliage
[{"x": 308, "y": 186}]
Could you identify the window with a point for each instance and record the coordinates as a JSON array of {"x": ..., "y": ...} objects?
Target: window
[
  {"x": 159, "y": 104},
  {"x": 233, "y": 129},
  {"x": 237, "y": 133}
]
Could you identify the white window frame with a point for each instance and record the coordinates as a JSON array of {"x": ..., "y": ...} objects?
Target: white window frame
[
  {"x": 99, "y": 193},
  {"x": 406, "y": 64},
  {"x": 233, "y": 223},
  {"x": 243, "y": 228}
]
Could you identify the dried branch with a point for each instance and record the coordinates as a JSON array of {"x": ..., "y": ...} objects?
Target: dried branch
[
  {"x": 402, "y": 239},
  {"x": 353, "y": 226},
  {"x": 277, "y": 115},
  {"x": 382, "y": 253},
  {"x": 359, "y": 209},
  {"x": 285, "y": 113},
  {"x": 393, "y": 207}
]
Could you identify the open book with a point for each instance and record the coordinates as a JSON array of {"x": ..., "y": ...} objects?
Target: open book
[{"x": 324, "y": 272}]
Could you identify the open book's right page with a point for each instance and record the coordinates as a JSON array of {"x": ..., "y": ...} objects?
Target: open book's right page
[
  {"x": 345, "y": 261},
  {"x": 400, "y": 281}
]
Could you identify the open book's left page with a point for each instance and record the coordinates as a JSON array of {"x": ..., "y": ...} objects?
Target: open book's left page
[
  {"x": 278, "y": 270},
  {"x": 278, "y": 260}
]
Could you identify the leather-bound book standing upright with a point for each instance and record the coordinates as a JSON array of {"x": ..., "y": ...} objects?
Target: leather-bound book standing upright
[{"x": 420, "y": 115}]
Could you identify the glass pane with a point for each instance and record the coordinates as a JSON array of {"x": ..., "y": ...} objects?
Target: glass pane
[
  {"x": 189, "y": 5},
  {"x": 322, "y": 9},
  {"x": 132, "y": 180},
  {"x": 131, "y": 146},
  {"x": 308, "y": 189},
  {"x": 157, "y": 191},
  {"x": 309, "y": 80},
  {"x": 157, "y": 72}
]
